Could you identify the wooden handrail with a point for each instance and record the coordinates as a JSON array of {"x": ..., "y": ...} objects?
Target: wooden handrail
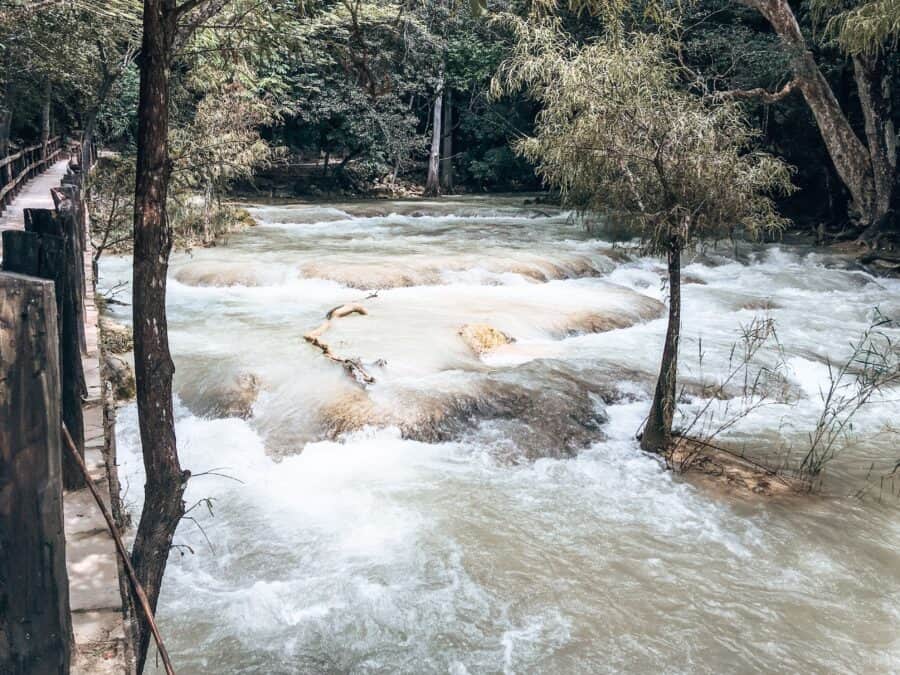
[
  {"x": 11, "y": 158},
  {"x": 16, "y": 169},
  {"x": 22, "y": 174}
]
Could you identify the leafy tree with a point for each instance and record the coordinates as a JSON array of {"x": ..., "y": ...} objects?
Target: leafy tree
[
  {"x": 354, "y": 71},
  {"x": 868, "y": 27},
  {"x": 619, "y": 135}
]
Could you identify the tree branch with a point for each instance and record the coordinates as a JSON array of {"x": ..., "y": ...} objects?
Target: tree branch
[
  {"x": 207, "y": 10},
  {"x": 758, "y": 93}
]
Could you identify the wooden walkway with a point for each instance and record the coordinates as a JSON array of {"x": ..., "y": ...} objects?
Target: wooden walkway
[
  {"x": 35, "y": 195},
  {"x": 94, "y": 579}
]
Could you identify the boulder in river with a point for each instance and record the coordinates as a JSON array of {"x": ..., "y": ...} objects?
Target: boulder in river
[
  {"x": 232, "y": 396},
  {"x": 482, "y": 338},
  {"x": 219, "y": 274},
  {"x": 544, "y": 408},
  {"x": 640, "y": 308}
]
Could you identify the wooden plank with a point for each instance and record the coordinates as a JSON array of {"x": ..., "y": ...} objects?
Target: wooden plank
[
  {"x": 35, "y": 624},
  {"x": 67, "y": 272},
  {"x": 35, "y": 255}
]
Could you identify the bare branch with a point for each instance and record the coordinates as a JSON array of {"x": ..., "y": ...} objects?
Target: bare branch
[{"x": 758, "y": 93}]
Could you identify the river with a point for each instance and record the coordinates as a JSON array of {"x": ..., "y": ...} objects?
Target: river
[{"x": 494, "y": 514}]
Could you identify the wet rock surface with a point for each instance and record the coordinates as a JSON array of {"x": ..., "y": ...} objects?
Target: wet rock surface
[
  {"x": 232, "y": 396},
  {"x": 544, "y": 408},
  {"x": 482, "y": 338}
]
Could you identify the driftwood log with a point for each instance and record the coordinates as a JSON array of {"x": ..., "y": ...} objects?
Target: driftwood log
[{"x": 352, "y": 365}]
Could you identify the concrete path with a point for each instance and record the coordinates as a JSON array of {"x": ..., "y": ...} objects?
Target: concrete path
[{"x": 94, "y": 582}]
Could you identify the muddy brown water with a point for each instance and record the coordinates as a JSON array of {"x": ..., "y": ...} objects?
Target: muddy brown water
[{"x": 487, "y": 515}]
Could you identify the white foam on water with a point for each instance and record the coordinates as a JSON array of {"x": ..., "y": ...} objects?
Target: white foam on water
[{"x": 375, "y": 553}]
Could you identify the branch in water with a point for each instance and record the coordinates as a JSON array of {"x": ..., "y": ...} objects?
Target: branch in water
[{"x": 353, "y": 366}]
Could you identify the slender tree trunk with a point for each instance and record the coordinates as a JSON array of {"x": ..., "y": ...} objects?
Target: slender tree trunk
[
  {"x": 432, "y": 183},
  {"x": 45, "y": 120},
  {"x": 873, "y": 83},
  {"x": 447, "y": 145},
  {"x": 87, "y": 142},
  {"x": 5, "y": 130},
  {"x": 658, "y": 431},
  {"x": 850, "y": 157},
  {"x": 165, "y": 481},
  {"x": 5, "y": 124},
  {"x": 6, "y": 104}
]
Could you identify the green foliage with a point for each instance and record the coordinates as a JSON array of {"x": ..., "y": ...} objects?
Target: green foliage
[
  {"x": 195, "y": 220},
  {"x": 117, "y": 117},
  {"x": 868, "y": 27},
  {"x": 617, "y": 134}
]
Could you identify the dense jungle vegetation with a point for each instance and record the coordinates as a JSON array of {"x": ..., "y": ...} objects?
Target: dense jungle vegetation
[{"x": 333, "y": 97}]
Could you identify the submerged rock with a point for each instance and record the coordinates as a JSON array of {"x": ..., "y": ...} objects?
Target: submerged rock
[
  {"x": 640, "y": 308},
  {"x": 482, "y": 338},
  {"x": 759, "y": 304},
  {"x": 233, "y": 396},
  {"x": 544, "y": 408},
  {"x": 435, "y": 270},
  {"x": 217, "y": 274},
  {"x": 720, "y": 470}
]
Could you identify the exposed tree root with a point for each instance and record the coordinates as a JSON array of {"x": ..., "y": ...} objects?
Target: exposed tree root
[
  {"x": 722, "y": 470},
  {"x": 352, "y": 365}
]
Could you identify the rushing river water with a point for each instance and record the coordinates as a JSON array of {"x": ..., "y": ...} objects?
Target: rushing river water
[{"x": 494, "y": 514}]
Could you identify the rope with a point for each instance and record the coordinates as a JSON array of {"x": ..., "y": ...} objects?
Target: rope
[{"x": 120, "y": 547}]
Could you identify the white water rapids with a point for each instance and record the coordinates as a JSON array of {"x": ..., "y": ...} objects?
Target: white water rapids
[{"x": 495, "y": 514}]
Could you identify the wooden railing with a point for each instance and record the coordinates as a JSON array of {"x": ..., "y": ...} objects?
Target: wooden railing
[
  {"x": 42, "y": 388},
  {"x": 16, "y": 169}
]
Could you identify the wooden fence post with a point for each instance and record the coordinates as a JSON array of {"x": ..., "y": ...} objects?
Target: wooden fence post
[
  {"x": 35, "y": 622},
  {"x": 70, "y": 211},
  {"x": 45, "y": 229}
]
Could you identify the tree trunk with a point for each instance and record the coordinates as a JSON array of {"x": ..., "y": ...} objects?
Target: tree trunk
[
  {"x": 6, "y": 111},
  {"x": 873, "y": 81},
  {"x": 45, "y": 121},
  {"x": 90, "y": 121},
  {"x": 6, "y": 173},
  {"x": 165, "y": 481},
  {"x": 850, "y": 157},
  {"x": 447, "y": 145},
  {"x": 432, "y": 184},
  {"x": 658, "y": 431},
  {"x": 87, "y": 141}
]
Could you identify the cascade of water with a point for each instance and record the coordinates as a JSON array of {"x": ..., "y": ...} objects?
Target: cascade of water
[{"x": 492, "y": 512}]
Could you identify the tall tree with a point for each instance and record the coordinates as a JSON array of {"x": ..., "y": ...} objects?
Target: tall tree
[
  {"x": 432, "y": 182},
  {"x": 619, "y": 136},
  {"x": 165, "y": 480},
  {"x": 868, "y": 169},
  {"x": 447, "y": 144}
]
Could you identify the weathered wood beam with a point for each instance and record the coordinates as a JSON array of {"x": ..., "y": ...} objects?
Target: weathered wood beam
[
  {"x": 50, "y": 249},
  {"x": 35, "y": 622}
]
